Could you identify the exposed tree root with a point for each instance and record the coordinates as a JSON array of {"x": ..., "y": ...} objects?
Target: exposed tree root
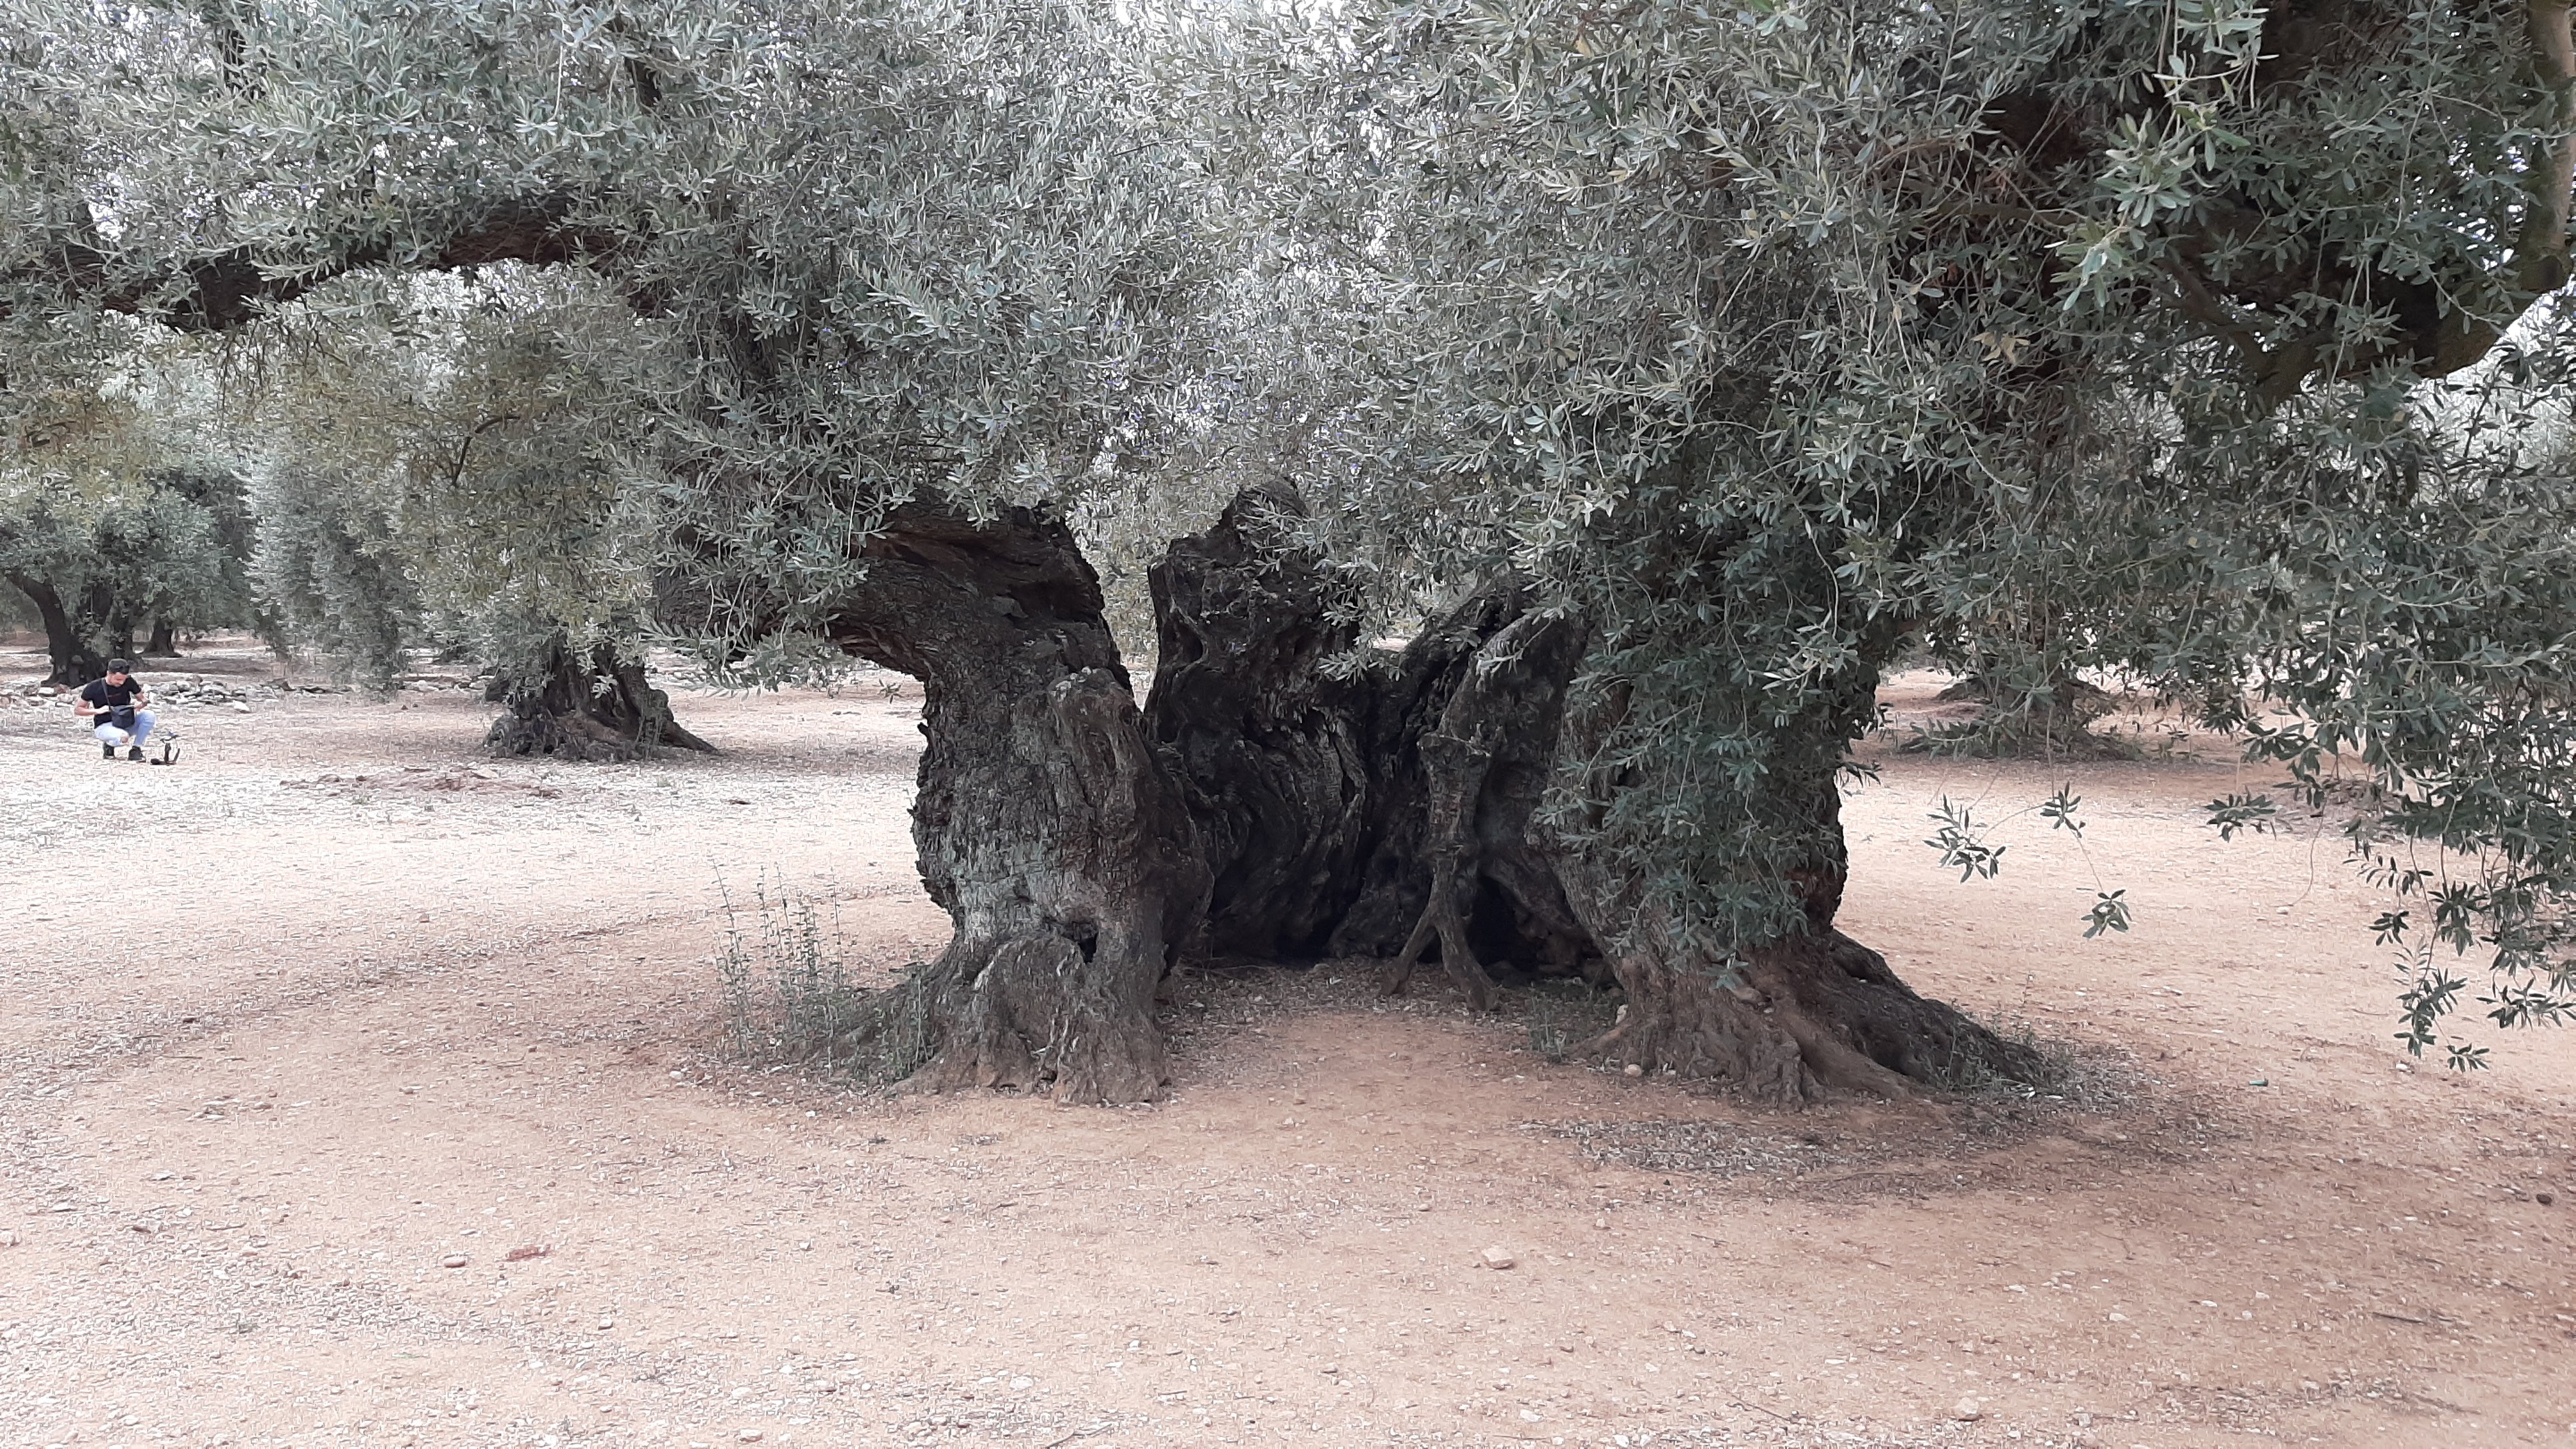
[{"x": 1798, "y": 1020}]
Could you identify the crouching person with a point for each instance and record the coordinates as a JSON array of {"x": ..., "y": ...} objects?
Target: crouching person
[{"x": 116, "y": 705}]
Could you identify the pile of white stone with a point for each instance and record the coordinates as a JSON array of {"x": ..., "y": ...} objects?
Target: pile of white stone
[
  {"x": 195, "y": 689},
  {"x": 167, "y": 689}
]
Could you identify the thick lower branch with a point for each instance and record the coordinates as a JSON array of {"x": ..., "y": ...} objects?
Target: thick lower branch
[{"x": 1049, "y": 826}]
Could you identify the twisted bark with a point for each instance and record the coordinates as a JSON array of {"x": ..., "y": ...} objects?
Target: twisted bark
[
  {"x": 1790, "y": 1020},
  {"x": 1048, "y": 825},
  {"x": 577, "y": 707},
  {"x": 1484, "y": 765},
  {"x": 1269, "y": 748},
  {"x": 1342, "y": 812},
  {"x": 71, "y": 657},
  {"x": 1397, "y": 813}
]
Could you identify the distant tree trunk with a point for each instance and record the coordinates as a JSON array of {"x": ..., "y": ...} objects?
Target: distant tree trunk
[
  {"x": 2047, "y": 716},
  {"x": 164, "y": 643},
  {"x": 1048, "y": 825},
  {"x": 583, "y": 707},
  {"x": 1401, "y": 807},
  {"x": 68, "y": 650}
]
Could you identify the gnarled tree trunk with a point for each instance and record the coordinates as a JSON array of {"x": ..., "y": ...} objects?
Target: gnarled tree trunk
[
  {"x": 1804, "y": 1009},
  {"x": 1269, "y": 748},
  {"x": 1485, "y": 764},
  {"x": 1455, "y": 744},
  {"x": 1048, "y": 826},
  {"x": 583, "y": 707},
  {"x": 1433, "y": 789},
  {"x": 1786, "y": 1020},
  {"x": 2048, "y": 719},
  {"x": 1342, "y": 812},
  {"x": 164, "y": 643}
]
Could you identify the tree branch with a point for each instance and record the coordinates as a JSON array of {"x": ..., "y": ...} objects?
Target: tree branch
[
  {"x": 2540, "y": 248},
  {"x": 226, "y": 289},
  {"x": 456, "y": 474}
]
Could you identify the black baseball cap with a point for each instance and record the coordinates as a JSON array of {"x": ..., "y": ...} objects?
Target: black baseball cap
[{"x": 119, "y": 666}]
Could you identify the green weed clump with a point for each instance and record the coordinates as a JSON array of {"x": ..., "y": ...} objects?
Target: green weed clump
[{"x": 790, "y": 995}]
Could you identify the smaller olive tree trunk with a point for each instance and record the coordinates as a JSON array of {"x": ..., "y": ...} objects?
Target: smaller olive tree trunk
[
  {"x": 1352, "y": 802},
  {"x": 576, "y": 706},
  {"x": 1483, "y": 766},
  {"x": 1269, "y": 746}
]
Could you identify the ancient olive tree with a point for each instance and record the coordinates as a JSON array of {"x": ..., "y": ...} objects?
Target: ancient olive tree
[
  {"x": 120, "y": 526},
  {"x": 1757, "y": 345},
  {"x": 1688, "y": 364}
]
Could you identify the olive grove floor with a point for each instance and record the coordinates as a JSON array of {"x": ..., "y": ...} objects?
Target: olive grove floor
[{"x": 337, "y": 1002}]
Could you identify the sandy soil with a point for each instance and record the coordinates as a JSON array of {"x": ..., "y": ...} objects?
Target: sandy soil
[{"x": 337, "y": 1003}]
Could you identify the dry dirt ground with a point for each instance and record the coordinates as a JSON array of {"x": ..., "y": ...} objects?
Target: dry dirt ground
[{"x": 357, "y": 1090}]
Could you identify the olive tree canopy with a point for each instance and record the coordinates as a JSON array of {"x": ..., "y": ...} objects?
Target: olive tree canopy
[{"x": 1715, "y": 355}]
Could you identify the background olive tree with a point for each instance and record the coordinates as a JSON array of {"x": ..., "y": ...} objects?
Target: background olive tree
[{"x": 470, "y": 463}]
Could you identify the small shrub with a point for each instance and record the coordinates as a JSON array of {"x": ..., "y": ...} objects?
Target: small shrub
[{"x": 789, "y": 995}]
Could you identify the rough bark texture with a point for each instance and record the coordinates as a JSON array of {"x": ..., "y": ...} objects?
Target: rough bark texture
[
  {"x": 1484, "y": 766},
  {"x": 1049, "y": 827},
  {"x": 1393, "y": 816},
  {"x": 1377, "y": 813},
  {"x": 1268, "y": 746},
  {"x": 1403, "y": 709},
  {"x": 598, "y": 707},
  {"x": 1789, "y": 1020},
  {"x": 164, "y": 643}
]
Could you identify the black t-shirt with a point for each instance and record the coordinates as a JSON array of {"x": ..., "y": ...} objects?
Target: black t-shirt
[{"x": 116, "y": 699}]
